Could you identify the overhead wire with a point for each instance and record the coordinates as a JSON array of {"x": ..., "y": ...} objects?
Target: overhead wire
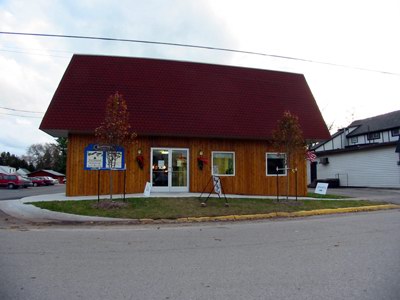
[
  {"x": 195, "y": 46},
  {"x": 20, "y": 110}
]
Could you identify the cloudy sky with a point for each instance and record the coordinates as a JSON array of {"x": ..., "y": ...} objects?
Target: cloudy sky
[{"x": 356, "y": 35}]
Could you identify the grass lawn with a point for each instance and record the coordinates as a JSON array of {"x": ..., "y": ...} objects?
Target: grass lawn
[{"x": 172, "y": 208}]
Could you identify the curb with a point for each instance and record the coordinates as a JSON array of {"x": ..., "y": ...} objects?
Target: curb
[{"x": 302, "y": 213}]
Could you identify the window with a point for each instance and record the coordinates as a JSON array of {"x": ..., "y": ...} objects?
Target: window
[
  {"x": 396, "y": 132},
  {"x": 354, "y": 140},
  {"x": 223, "y": 163},
  {"x": 276, "y": 160},
  {"x": 374, "y": 136}
]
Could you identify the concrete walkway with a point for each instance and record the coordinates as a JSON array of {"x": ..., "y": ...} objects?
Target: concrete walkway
[{"x": 19, "y": 209}]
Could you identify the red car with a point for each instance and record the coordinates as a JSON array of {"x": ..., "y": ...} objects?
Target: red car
[
  {"x": 47, "y": 180},
  {"x": 11, "y": 181},
  {"x": 36, "y": 181}
]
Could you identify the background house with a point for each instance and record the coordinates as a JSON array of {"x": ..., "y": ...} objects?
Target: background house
[
  {"x": 183, "y": 112},
  {"x": 50, "y": 173},
  {"x": 7, "y": 170},
  {"x": 23, "y": 172},
  {"x": 363, "y": 154}
]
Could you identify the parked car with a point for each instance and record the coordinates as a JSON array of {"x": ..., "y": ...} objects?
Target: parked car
[
  {"x": 11, "y": 181},
  {"x": 27, "y": 182},
  {"x": 47, "y": 180},
  {"x": 36, "y": 181}
]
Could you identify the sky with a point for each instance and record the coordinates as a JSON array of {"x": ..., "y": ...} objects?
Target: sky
[{"x": 357, "y": 41}]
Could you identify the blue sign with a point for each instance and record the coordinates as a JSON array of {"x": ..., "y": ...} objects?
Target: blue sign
[{"x": 96, "y": 158}]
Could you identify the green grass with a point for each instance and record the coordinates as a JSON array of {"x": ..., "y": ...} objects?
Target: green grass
[
  {"x": 327, "y": 196},
  {"x": 172, "y": 208}
]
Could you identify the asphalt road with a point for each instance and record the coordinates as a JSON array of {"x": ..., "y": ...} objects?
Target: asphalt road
[
  {"x": 387, "y": 195},
  {"x": 353, "y": 256},
  {"x": 7, "y": 194}
]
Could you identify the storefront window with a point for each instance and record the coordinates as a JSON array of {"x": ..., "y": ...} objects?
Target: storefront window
[
  {"x": 223, "y": 163},
  {"x": 275, "y": 160}
]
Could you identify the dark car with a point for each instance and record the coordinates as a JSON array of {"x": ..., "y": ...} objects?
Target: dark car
[
  {"x": 27, "y": 182},
  {"x": 11, "y": 181}
]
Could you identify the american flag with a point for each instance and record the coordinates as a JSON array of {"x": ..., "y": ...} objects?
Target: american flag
[{"x": 311, "y": 156}]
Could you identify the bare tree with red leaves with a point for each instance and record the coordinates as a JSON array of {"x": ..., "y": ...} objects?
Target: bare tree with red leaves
[
  {"x": 115, "y": 131},
  {"x": 288, "y": 138}
]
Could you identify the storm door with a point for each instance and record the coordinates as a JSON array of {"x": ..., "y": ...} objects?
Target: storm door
[{"x": 169, "y": 170}]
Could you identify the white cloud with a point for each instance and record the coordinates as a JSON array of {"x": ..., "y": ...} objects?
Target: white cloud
[{"x": 357, "y": 33}]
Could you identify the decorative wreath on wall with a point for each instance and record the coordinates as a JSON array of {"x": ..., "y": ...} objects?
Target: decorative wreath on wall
[
  {"x": 140, "y": 161},
  {"x": 201, "y": 161}
]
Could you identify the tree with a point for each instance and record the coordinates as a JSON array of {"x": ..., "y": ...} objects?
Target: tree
[
  {"x": 288, "y": 138},
  {"x": 115, "y": 131},
  {"x": 8, "y": 159},
  {"x": 60, "y": 155}
]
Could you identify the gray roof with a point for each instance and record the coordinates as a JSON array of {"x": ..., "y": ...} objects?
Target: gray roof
[{"x": 382, "y": 122}]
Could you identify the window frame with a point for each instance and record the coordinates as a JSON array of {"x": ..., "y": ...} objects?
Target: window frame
[
  {"x": 266, "y": 163},
  {"x": 223, "y": 152},
  {"x": 370, "y": 136},
  {"x": 354, "y": 140},
  {"x": 393, "y": 131}
]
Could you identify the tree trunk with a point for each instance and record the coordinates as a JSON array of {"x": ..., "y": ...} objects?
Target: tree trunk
[
  {"x": 287, "y": 175},
  {"x": 111, "y": 185}
]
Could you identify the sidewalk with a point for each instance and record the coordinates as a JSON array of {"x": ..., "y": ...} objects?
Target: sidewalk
[{"x": 18, "y": 209}]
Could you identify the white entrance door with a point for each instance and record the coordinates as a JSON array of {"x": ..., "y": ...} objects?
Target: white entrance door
[{"x": 169, "y": 170}]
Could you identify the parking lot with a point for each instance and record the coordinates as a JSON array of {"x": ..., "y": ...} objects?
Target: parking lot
[{"x": 10, "y": 194}]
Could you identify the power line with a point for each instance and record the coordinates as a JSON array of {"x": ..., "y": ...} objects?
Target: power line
[
  {"x": 20, "y": 116},
  {"x": 193, "y": 46},
  {"x": 20, "y": 110}
]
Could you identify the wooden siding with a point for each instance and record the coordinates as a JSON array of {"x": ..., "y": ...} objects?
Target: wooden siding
[{"x": 250, "y": 164}]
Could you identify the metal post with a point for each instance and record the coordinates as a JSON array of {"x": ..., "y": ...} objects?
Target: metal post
[
  {"x": 98, "y": 185},
  {"x": 296, "y": 182},
  {"x": 277, "y": 184},
  {"x": 124, "y": 183}
]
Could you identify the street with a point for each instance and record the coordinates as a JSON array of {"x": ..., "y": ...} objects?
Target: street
[
  {"x": 7, "y": 194},
  {"x": 353, "y": 256}
]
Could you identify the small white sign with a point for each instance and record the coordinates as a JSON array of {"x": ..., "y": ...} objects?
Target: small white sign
[
  {"x": 94, "y": 159},
  {"x": 321, "y": 188},
  {"x": 161, "y": 164},
  {"x": 118, "y": 160},
  {"x": 147, "y": 189},
  {"x": 217, "y": 185}
]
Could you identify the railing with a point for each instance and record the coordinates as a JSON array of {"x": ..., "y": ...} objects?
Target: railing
[{"x": 343, "y": 174}]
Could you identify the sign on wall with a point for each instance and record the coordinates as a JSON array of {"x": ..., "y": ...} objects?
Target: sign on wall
[{"x": 96, "y": 158}]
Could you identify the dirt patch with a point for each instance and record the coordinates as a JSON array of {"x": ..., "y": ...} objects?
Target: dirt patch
[{"x": 110, "y": 205}]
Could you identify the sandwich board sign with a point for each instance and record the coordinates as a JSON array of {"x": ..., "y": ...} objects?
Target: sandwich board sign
[
  {"x": 147, "y": 189},
  {"x": 321, "y": 188}
]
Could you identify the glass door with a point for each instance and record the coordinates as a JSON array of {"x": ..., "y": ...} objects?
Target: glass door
[{"x": 169, "y": 170}]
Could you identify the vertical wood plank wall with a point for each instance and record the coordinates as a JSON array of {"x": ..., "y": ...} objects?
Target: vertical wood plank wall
[{"x": 250, "y": 169}]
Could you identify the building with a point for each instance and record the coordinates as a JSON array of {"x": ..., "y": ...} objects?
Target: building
[
  {"x": 193, "y": 121},
  {"x": 50, "y": 173},
  {"x": 23, "y": 172},
  {"x": 7, "y": 170},
  {"x": 364, "y": 154}
]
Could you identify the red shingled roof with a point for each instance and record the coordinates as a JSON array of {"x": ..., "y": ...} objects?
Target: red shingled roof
[{"x": 174, "y": 98}]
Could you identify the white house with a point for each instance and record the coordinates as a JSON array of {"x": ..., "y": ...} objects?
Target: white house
[
  {"x": 7, "y": 170},
  {"x": 364, "y": 154}
]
